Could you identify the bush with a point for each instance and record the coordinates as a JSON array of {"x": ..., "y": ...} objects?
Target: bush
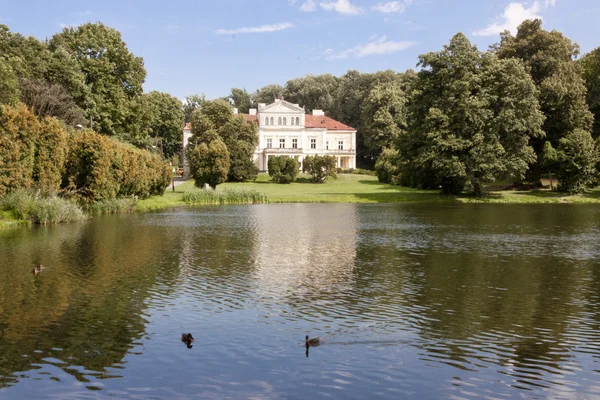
[
  {"x": 283, "y": 169},
  {"x": 387, "y": 166},
  {"x": 52, "y": 148},
  {"x": 576, "y": 159},
  {"x": 32, "y": 206},
  {"x": 320, "y": 167},
  {"x": 228, "y": 196},
  {"x": 209, "y": 164}
]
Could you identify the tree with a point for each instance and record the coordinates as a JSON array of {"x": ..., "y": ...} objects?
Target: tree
[
  {"x": 319, "y": 167},
  {"x": 576, "y": 158},
  {"x": 267, "y": 94},
  {"x": 387, "y": 166},
  {"x": 562, "y": 93},
  {"x": 470, "y": 120},
  {"x": 313, "y": 92},
  {"x": 549, "y": 161},
  {"x": 192, "y": 103},
  {"x": 283, "y": 169},
  {"x": 241, "y": 100},
  {"x": 383, "y": 117},
  {"x": 165, "y": 122},
  {"x": 48, "y": 99},
  {"x": 209, "y": 163},
  {"x": 9, "y": 86},
  {"x": 113, "y": 75},
  {"x": 590, "y": 68}
]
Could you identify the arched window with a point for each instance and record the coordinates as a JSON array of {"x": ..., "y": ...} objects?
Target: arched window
[
  {"x": 271, "y": 121},
  {"x": 266, "y": 120},
  {"x": 297, "y": 120},
  {"x": 284, "y": 120},
  {"x": 292, "y": 120},
  {"x": 279, "y": 121}
]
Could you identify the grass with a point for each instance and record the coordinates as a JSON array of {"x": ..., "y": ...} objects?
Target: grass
[
  {"x": 354, "y": 188},
  {"x": 31, "y": 206}
]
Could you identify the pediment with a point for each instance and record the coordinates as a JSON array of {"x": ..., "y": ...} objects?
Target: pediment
[{"x": 282, "y": 106}]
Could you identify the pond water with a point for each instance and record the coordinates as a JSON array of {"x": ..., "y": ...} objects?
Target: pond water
[{"x": 410, "y": 301}]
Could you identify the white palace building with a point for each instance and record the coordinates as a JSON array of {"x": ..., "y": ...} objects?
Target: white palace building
[{"x": 286, "y": 130}]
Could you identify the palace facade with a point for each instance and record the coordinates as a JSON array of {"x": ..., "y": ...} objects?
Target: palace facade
[{"x": 286, "y": 130}]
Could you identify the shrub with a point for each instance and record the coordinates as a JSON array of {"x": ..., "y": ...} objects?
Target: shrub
[
  {"x": 320, "y": 167},
  {"x": 576, "y": 159},
  {"x": 283, "y": 169},
  {"x": 209, "y": 163},
  {"x": 52, "y": 148},
  {"x": 228, "y": 196},
  {"x": 33, "y": 206},
  {"x": 386, "y": 167}
]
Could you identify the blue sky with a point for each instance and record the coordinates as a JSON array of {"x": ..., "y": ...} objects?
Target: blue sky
[{"x": 211, "y": 46}]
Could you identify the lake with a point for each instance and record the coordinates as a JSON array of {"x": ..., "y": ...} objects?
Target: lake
[{"x": 410, "y": 301}]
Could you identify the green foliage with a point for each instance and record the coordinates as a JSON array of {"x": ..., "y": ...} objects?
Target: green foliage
[
  {"x": 112, "y": 206},
  {"x": 470, "y": 121},
  {"x": 52, "y": 147},
  {"x": 192, "y": 103},
  {"x": 312, "y": 92},
  {"x": 113, "y": 75},
  {"x": 227, "y": 196},
  {"x": 241, "y": 100},
  {"x": 216, "y": 121},
  {"x": 319, "y": 167},
  {"x": 283, "y": 169},
  {"x": 164, "y": 122},
  {"x": 577, "y": 157},
  {"x": 9, "y": 86},
  {"x": 209, "y": 163},
  {"x": 39, "y": 209},
  {"x": 388, "y": 166},
  {"x": 267, "y": 94},
  {"x": 19, "y": 131},
  {"x": 562, "y": 92},
  {"x": 99, "y": 168},
  {"x": 590, "y": 68}
]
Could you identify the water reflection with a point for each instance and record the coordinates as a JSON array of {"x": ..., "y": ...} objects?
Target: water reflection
[{"x": 410, "y": 301}]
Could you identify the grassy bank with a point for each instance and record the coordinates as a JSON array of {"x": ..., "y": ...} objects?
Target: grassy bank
[{"x": 362, "y": 189}]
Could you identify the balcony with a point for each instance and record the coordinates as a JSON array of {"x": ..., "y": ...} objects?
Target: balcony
[{"x": 274, "y": 150}]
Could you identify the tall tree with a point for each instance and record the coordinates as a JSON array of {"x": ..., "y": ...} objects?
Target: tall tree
[
  {"x": 192, "y": 103},
  {"x": 267, "y": 94},
  {"x": 165, "y": 122},
  {"x": 313, "y": 92},
  {"x": 9, "y": 86},
  {"x": 113, "y": 75},
  {"x": 470, "y": 120},
  {"x": 562, "y": 93},
  {"x": 590, "y": 66},
  {"x": 241, "y": 100}
]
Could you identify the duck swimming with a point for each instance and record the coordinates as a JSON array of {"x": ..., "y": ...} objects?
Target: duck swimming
[
  {"x": 312, "y": 342},
  {"x": 187, "y": 338},
  {"x": 38, "y": 269}
]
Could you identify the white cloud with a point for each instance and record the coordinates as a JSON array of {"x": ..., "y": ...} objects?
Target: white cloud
[
  {"x": 309, "y": 6},
  {"x": 513, "y": 15},
  {"x": 341, "y": 6},
  {"x": 375, "y": 46},
  {"x": 256, "y": 29},
  {"x": 393, "y": 6}
]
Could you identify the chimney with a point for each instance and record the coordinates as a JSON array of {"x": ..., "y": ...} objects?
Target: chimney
[
  {"x": 318, "y": 113},
  {"x": 235, "y": 110},
  {"x": 253, "y": 111}
]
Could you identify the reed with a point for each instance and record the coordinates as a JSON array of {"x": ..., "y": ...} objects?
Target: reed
[
  {"x": 32, "y": 206},
  {"x": 227, "y": 196},
  {"x": 113, "y": 206}
]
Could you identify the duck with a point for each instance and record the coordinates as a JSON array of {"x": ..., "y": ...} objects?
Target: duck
[
  {"x": 38, "y": 269},
  {"x": 312, "y": 342},
  {"x": 187, "y": 338}
]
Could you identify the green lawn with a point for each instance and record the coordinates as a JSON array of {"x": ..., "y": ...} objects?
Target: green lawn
[{"x": 364, "y": 189}]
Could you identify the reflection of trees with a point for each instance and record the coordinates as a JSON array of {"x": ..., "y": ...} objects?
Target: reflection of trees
[{"x": 86, "y": 309}]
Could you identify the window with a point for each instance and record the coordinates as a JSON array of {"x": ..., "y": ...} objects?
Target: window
[
  {"x": 292, "y": 121},
  {"x": 294, "y": 143},
  {"x": 284, "y": 120},
  {"x": 282, "y": 143},
  {"x": 340, "y": 145},
  {"x": 266, "y": 120},
  {"x": 313, "y": 143},
  {"x": 297, "y": 120},
  {"x": 327, "y": 145},
  {"x": 269, "y": 143},
  {"x": 271, "y": 121},
  {"x": 279, "y": 121}
]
